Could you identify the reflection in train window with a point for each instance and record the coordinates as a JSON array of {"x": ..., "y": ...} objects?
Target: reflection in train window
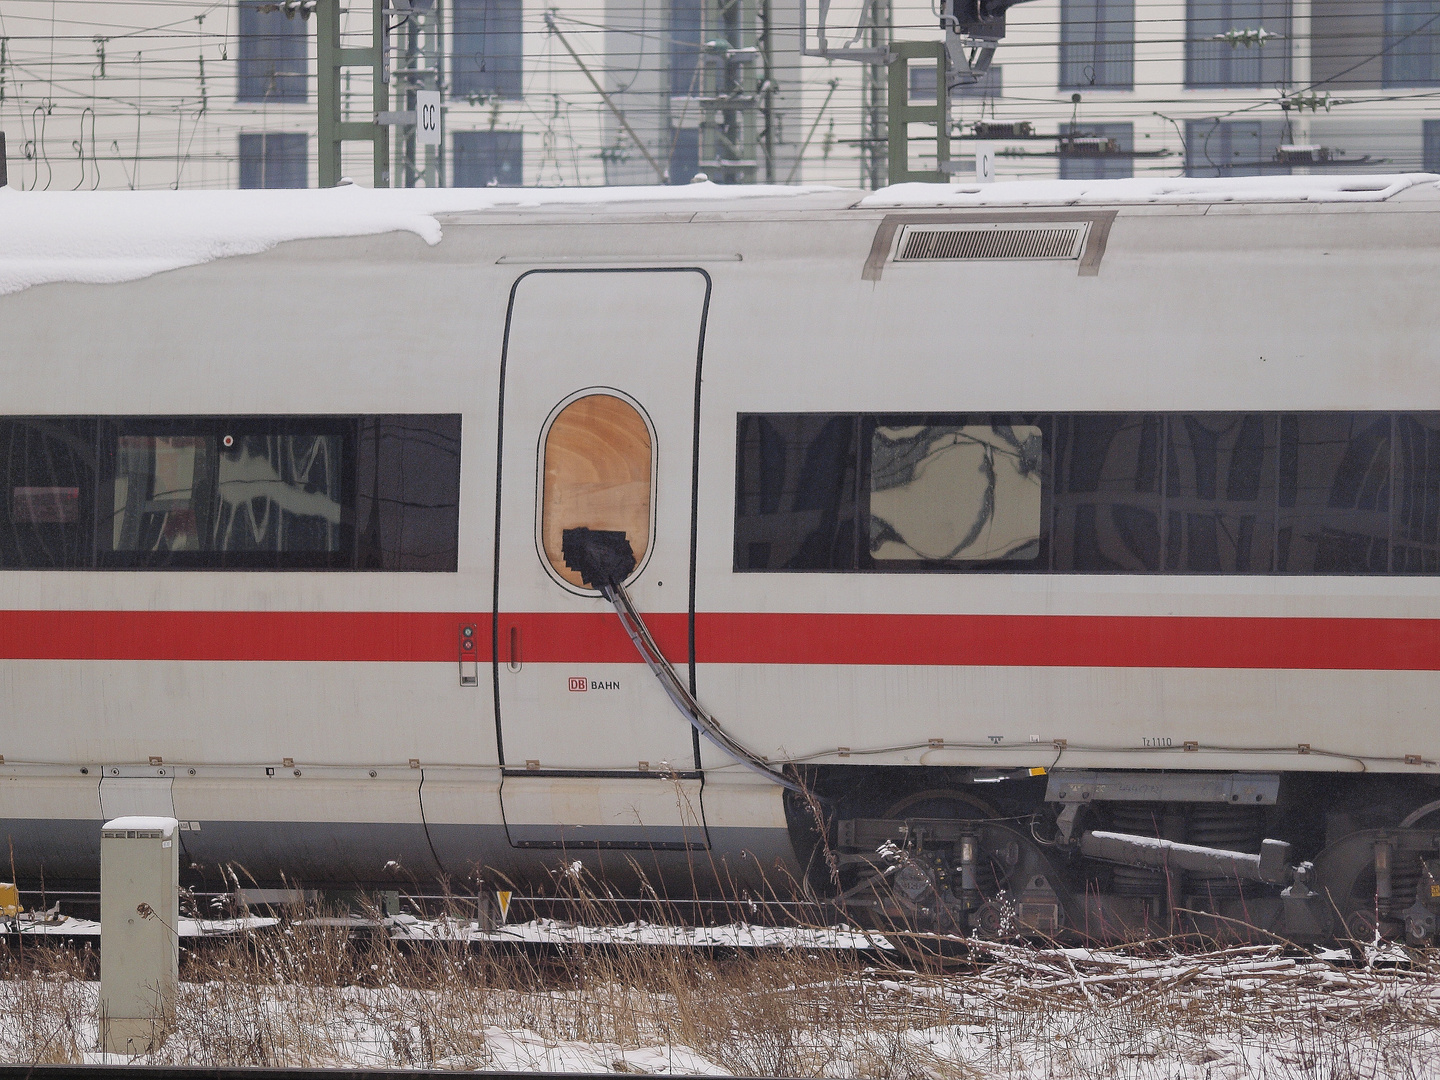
[
  {"x": 795, "y": 501},
  {"x": 1208, "y": 492},
  {"x": 955, "y": 493},
  {"x": 408, "y": 492},
  {"x": 598, "y": 466},
  {"x": 48, "y": 470},
  {"x": 230, "y": 492},
  {"x": 239, "y": 491}
]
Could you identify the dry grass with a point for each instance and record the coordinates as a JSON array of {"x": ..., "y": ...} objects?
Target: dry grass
[{"x": 308, "y": 994}]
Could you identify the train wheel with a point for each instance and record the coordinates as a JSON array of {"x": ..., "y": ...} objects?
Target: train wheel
[{"x": 920, "y": 916}]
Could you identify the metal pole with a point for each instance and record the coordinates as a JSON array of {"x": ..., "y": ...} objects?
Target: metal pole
[
  {"x": 327, "y": 95},
  {"x": 768, "y": 109},
  {"x": 659, "y": 172}
]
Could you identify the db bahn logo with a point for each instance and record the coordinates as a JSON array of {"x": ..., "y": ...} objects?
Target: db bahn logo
[{"x": 579, "y": 682}]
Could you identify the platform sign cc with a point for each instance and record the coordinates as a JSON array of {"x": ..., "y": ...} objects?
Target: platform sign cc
[{"x": 427, "y": 117}]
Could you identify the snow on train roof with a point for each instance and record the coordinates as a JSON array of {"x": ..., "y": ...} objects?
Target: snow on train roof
[
  {"x": 100, "y": 237},
  {"x": 1243, "y": 189},
  {"x": 103, "y": 237}
]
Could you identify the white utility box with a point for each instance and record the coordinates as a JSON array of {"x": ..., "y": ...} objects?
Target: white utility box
[{"x": 139, "y": 932}]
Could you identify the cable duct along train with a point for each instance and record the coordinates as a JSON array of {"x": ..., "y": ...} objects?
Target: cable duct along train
[{"x": 1038, "y": 558}]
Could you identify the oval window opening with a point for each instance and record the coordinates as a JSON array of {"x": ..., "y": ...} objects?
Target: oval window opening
[{"x": 597, "y": 475}]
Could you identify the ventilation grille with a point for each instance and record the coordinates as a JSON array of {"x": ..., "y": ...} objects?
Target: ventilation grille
[{"x": 992, "y": 242}]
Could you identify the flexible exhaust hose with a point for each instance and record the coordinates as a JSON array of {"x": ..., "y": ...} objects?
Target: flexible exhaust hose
[{"x": 676, "y": 690}]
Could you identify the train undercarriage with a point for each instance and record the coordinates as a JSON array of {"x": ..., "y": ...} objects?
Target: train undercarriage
[{"x": 1086, "y": 855}]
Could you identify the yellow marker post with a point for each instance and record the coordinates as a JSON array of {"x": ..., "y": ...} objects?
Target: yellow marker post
[{"x": 504, "y": 898}]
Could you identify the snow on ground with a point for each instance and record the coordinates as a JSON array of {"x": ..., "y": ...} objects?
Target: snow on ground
[
  {"x": 1024, "y": 1013},
  {"x": 408, "y": 928}
]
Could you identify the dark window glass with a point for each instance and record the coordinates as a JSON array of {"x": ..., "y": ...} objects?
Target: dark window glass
[
  {"x": 48, "y": 494},
  {"x": 337, "y": 492},
  {"x": 218, "y": 492},
  {"x": 1334, "y": 493},
  {"x": 1347, "y": 44},
  {"x": 408, "y": 492},
  {"x": 274, "y": 160},
  {"x": 796, "y": 492},
  {"x": 684, "y": 155},
  {"x": 1412, "y": 43},
  {"x": 1233, "y": 148},
  {"x": 685, "y": 43},
  {"x": 1223, "y": 46},
  {"x": 1220, "y": 478},
  {"x": 1188, "y": 493},
  {"x": 489, "y": 49},
  {"x": 1432, "y": 146},
  {"x": 274, "y": 54},
  {"x": 489, "y": 158},
  {"x": 1416, "y": 538},
  {"x": 1107, "y": 493},
  {"x": 1096, "y": 151},
  {"x": 1097, "y": 44}
]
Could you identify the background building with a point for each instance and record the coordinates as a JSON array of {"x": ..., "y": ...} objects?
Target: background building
[{"x": 223, "y": 93}]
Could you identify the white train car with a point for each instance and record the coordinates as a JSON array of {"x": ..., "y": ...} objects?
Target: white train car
[{"x": 1032, "y": 553}]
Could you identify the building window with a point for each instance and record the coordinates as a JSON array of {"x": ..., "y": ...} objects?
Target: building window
[
  {"x": 684, "y": 155},
  {"x": 1432, "y": 146},
  {"x": 274, "y": 159},
  {"x": 489, "y": 51},
  {"x": 1096, "y": 151},
  {"x": 1097, "y": 44},
  {"x": 685, "y": 43},
  {"x": 274, "y": 54},
  {"x": 1224, "y": 44},
  {"x": 1412, "y": 43},
  {"x": 1233, "y": 148},
  {"x": 922, "y": 85},
  {"x": 488, "y": 158}
]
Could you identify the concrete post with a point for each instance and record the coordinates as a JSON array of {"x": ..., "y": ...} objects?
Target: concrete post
[{"x": 139, "y": 932}]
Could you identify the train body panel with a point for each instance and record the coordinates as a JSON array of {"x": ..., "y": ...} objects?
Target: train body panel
[{"x": 352, "y": 725}]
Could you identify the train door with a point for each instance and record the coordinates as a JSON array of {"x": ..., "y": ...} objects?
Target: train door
[{"x": 598, "y": 407}]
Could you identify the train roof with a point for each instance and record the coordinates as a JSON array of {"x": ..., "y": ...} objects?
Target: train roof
[{"x": 112, "y": 236}]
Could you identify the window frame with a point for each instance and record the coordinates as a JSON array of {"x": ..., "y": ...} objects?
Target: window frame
[
  {"x": 341, "y": 429},
  {"x": 565, "y": 403}
]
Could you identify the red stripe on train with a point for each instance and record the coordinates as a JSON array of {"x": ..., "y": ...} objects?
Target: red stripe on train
[{"x": 732, "y": 638}]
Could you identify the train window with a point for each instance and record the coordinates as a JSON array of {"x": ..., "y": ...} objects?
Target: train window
[
  {"x": 795, "y": 506},
  {"x": 1220, "y": 491},
  {"x": 1228, "y": 493},
  {"x": 954, "y": 493},
  {"x": 408, "y": 492},
  {"x": 1416, "y": 538},
  {"x": 1107, "y": 493},
  {"x": 230, "y": 492},
  {"x": 597, "y": 474},
  {"x": 48, "y": 464},
  {"x": 1335, "y": 476}
]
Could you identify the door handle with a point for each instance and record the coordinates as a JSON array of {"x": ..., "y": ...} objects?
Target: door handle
[
  {"x": 514, "y": 663},
  {"x": 469, "y": 660}
]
